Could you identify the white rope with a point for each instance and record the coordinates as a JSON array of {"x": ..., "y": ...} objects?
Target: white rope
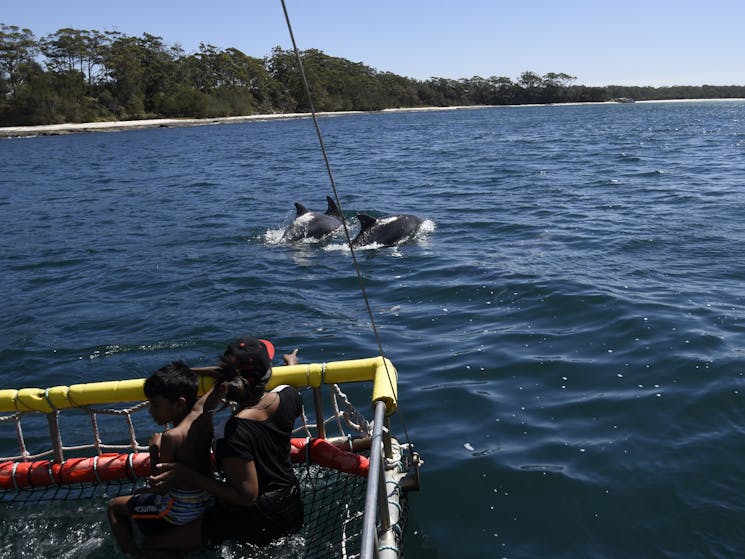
[
  {"x": 19, "y": 434},
  {"x": 97, "y": 445},
  {"x": 351, "y": 415},
  {"x": 96, "y": 435}
]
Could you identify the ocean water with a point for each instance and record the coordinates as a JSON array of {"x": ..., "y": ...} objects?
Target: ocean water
[{"x": 568, "y": 327}]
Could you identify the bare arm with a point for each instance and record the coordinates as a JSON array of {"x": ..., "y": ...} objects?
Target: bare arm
[
  {"x": 211, "y": 371},
  {"x": 290, "y": 358},
  {"x": 208, "y": 402},
  {"x": 242, "y": 485},
  {"x": 240, "y": 488},
  {"x": 166, "y": 449},
  {"x": 154, "y": 450},
  {"x": 214, "y": 370}
]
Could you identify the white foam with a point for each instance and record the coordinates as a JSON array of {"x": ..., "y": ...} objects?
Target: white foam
[{"x": 273, "y": 236}]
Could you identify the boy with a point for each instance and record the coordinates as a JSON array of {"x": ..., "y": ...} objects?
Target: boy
[{"x": 172, "y": 393}]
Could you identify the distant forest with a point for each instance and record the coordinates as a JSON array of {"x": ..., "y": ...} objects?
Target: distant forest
[{"x": 76, "y": 75}]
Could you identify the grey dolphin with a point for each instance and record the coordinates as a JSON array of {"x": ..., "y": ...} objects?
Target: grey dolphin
[
  {"x": 387, "y": 231},
  {"x": 313, "y": 225}
]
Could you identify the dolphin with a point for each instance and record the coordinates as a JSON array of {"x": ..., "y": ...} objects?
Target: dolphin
[
  {"x": 387, "y": 231},
  {"x": 313, "y": 225}
]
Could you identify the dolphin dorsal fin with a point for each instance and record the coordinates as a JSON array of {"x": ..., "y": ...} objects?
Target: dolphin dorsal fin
[
  {"x": 366, "y": 221},
  {"x": 333, "y": 209},
  {"x": 301, "y": 210}
]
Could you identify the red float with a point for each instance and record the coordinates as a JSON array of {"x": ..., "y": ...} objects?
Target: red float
[{"x": 115, "y": 467}]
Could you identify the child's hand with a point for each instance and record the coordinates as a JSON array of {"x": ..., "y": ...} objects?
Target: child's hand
[{"x": 169, "y": 475}]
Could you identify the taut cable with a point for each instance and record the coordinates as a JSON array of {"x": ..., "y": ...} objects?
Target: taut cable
[{"x": 338, "y": 203}]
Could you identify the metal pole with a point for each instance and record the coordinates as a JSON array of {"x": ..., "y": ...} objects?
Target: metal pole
[
  {"x": 369, "y": 526},
  {"x": 383, "y": 513},
  {"x": 52, "y": 420},
  {"x": 318, "y": 403}
]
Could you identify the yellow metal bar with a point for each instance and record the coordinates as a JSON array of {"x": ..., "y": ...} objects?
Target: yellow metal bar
[{"x": 381, "y": 373}]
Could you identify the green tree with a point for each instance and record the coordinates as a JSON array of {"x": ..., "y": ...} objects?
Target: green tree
[
  {"x": 504, "y": 91},
  {"x": 552, "y": 79},
  {"x": 283, "y": 67},
  {"x": 69, "y": 50},
  {"x": 229, "y": 81},
  {"x": 398, "y": 91},
  {"x": 142, "y": 70},
  {"x": 449, "y": 92},
  {"x": 246, "y": 75},
  {"x": 529, "y": 80},
  {"x": 35, "y": 102},
  {"x": 18, "y": 48},
  {"x": 122, "y": 63},
  {"x": 64, "y": 50}
]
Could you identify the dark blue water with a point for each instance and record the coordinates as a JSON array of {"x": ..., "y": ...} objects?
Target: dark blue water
[{"x": 569, "y": 330}]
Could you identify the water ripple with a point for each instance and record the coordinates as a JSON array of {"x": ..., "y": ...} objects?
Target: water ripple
[{"x": 568, "y": 335}]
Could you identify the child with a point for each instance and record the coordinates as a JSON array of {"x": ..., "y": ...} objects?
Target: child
[
  {"x": 172, "y": 393},
  {"x": 259, "y": 498}
]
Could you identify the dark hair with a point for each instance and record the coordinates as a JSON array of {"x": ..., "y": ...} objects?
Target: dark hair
[
  {"x": 173, "y": 381},
  {"x": 242, "y": 390}
]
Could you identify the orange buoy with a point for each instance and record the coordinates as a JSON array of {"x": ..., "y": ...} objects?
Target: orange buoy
[
  {"x": 323, "y": 453},
  {"x": 105, "y": 467}
]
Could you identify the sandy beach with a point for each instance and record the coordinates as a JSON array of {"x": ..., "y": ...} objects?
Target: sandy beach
[{"x": 118, "y": 125}]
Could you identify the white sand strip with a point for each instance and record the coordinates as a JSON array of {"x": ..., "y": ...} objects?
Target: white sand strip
[{"x": 117, "y": 125}]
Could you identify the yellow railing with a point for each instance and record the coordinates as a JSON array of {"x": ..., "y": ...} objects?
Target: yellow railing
[{"x": 381, "y": 372}]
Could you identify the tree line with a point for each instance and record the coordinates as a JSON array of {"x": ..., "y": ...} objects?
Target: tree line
[{"x": 76, "y": 75}]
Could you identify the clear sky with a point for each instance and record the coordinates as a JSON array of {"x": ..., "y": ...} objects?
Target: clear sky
[{"x": 601, "y": 42}]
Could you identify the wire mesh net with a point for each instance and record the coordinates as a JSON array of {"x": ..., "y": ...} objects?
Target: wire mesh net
[{"x": 334, "y": 500}]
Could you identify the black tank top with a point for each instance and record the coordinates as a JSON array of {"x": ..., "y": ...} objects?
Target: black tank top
[{"x": 266, "y": 443}]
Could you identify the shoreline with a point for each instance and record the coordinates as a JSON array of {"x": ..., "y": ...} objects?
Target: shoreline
[{"x": 120, "y": 125}]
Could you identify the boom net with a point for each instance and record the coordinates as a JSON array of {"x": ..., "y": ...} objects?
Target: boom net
[
  {"x": 66, "y": 450},
  {"x": 44, "y": 468}
]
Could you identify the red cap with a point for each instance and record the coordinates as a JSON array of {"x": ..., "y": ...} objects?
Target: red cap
[{"x": 251, "y": 357}]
